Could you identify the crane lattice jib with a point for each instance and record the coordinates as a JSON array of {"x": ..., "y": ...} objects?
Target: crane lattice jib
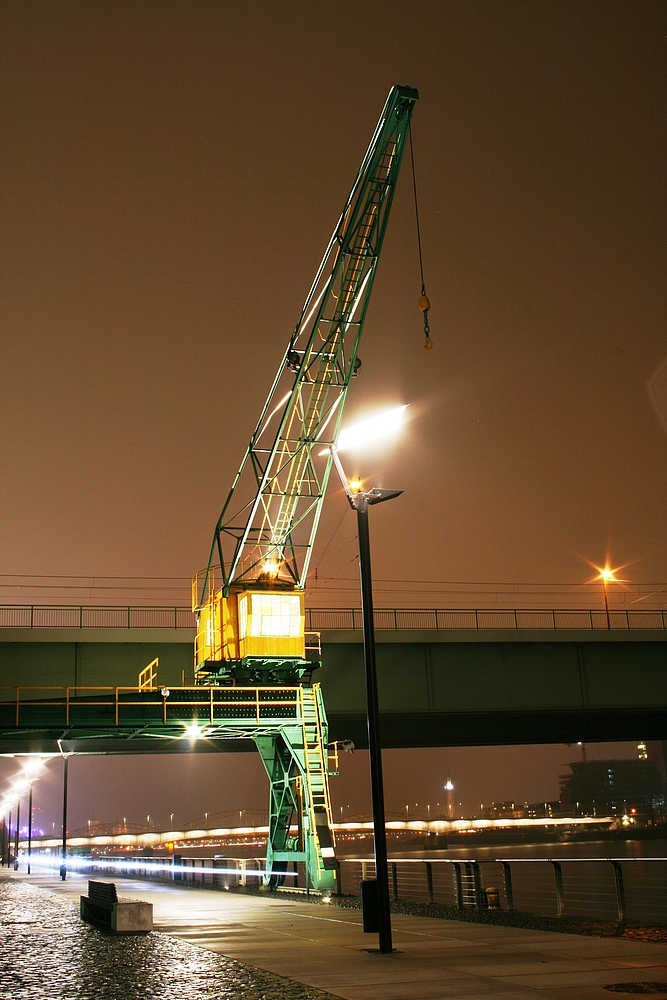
[{"x": 271, "y": 515}]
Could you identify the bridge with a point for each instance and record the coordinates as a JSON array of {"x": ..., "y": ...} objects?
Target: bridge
[
  {"x": 180, "y": 839},
  {"x": 447, "y": 678}
]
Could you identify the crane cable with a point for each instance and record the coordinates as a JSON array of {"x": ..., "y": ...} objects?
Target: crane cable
[{"x": 424, "y": 303}]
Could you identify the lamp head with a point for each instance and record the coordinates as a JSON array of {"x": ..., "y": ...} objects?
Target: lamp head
[{"x": 383, "y": 425}]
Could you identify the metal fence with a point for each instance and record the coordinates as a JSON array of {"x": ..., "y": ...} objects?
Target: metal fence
[
  {"x": 600, "y": 889},
  {"x": 58, "y": 616},
  {"x": 439, "y": 621},
  {"x": 633, "y": 889},
  {"x": 335, "y": 619}
]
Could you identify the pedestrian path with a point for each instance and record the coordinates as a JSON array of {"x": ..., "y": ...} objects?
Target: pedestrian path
[{"x": 325, "y": 947}]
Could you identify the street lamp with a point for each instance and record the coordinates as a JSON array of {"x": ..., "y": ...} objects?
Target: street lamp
[
  {"x": 29, "y": 826},
  {"x": 63, "y": 862},
  {"x": 16, "y": 837},
  {"x": 607, "y": 576},
  {"x": 360, "y": 500},
  {"x": 449, "y": 788}
]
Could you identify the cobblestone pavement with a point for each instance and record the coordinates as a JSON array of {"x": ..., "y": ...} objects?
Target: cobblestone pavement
[{"x": 47, "y": 952}]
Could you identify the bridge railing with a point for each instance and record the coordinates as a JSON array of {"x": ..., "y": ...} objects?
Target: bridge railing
[
  {"x": 438, "y": 620},
  {"x": 60, "y": 616},
  {"x": 38, "y": 616}
]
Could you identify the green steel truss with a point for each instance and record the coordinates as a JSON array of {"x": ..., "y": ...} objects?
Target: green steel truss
[
  {"x": 296, "y": 761},
  {"x": 273, "y": 508},
  {"x": 287, "y": 724}
]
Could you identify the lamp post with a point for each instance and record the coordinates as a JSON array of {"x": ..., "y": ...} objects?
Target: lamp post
[
  {"x": 32, "y": 769},
  {"x": 29, "y": 826},
  {"x": 449, "y": 788},
  {"x": 63, "y": 865},
  {"x": 607, "y": 576},
  {"x": 361, "y": 501},
  {"x": 16, "y": 840}
]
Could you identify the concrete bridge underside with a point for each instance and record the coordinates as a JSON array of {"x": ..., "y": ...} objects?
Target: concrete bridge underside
[{"x": 454, "y": 688}]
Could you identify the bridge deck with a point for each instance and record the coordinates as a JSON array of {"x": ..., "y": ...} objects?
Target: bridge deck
[{"x": 438, "y": 687}]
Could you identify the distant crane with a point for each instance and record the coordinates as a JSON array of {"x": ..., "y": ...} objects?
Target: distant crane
[{"x": 249, "y": 600}]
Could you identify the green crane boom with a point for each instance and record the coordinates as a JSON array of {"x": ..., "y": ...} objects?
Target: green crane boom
[
  {"x": 268, "y": 524},
  {"x": 250, "y": 624}
]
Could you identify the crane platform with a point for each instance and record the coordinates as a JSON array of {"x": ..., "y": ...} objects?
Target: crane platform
[{"x": 287, "y": 724}]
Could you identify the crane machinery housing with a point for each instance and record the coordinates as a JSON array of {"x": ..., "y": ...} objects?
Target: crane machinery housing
[{"x": 249, "y": 601}]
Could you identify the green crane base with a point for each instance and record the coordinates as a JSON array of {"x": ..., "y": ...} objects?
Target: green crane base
[
  {"x": 296, "y": 763},
  {"x": 287, "y": 723}
]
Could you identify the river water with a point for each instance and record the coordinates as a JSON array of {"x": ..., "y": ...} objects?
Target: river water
[{"x": 475, "y": 851}]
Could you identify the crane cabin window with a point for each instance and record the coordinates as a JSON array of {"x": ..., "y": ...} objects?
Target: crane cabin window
[
  {"x": 243, "y": 617},
  {"x": 270, "y": 616}
]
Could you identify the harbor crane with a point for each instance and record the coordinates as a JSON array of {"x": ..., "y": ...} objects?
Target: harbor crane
[{"x": 249, "y": 601}]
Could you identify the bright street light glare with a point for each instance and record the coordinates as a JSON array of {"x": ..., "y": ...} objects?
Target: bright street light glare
[
  {"x": 608, "y": 575},
  {"x": 33, "y": 767},
  {"x": 380, "y": 426},
  {"x": 194, "y": 731}
]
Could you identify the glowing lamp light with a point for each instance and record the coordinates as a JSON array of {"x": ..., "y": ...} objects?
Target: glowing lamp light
[
  {"x": 270, "y": 567},
  {"x": 355, "y": 485},
  {"x": 32, "y": 768},
  {"x": 607, "y": 574},
  {"x": 194, "y": 731},
  {"x": 368, "y": 431},
  {"x": 449, "y": 786}
]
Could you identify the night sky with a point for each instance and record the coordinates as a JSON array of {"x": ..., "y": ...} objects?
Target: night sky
[{"x": 171, "y": 173}]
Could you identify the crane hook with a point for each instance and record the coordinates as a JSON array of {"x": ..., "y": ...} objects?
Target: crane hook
[{"x": 425, "y": 305}]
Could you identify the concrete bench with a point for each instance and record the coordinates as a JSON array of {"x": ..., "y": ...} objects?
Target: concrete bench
[{"x": 125, "y": 916}]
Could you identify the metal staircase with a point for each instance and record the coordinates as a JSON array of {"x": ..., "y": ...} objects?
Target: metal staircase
[{"x": 296, "y": 761}]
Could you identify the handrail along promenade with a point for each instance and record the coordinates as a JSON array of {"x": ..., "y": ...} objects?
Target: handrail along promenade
[{"x": 615, "y": 889}]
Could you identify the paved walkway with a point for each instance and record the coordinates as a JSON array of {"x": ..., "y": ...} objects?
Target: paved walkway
[{"x": 325, "y": 947}]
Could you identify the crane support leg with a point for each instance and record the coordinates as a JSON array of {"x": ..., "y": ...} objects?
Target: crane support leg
[{"x": 299, "y": 811}]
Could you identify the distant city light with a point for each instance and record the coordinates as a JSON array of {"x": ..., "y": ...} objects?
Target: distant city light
[{"x": 449, "y": 786}]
